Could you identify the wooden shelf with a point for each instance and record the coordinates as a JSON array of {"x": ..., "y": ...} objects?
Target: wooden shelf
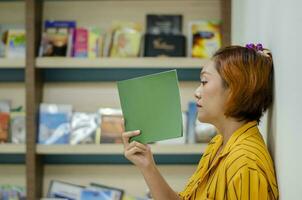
[
  {"x": 109, "y": 149},
  {"x": 12, "y": 63},
  {"x": 58, "y": 62},
  {"x": 12, "y": 149}
]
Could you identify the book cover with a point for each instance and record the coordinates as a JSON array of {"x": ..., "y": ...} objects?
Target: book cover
[
  {"x": 83, "y": 128},
  {"x": 164, "y": 45},
  {"x": 54, "y": 124},
  {"x": 151, "y": 104},
  {"x": 81, "y": 43},
  {"x": 90, "y": 194},
  {"x": 4, "y": 120},
  {"x": 191, "y": 122},
  {"x": 204, "y": 38},
  {"x": 111, "y": 126},
  {"x": 63, "y": 190},
  {"x": 55, "y": 38},
  {"x": 17, "y": 127},
  {"x": 179, "y": 140},
  {"x": 94, "y": 43},
  {"x": 113, "y": 192},
  {"x": 16, "y": 43},
  {"x": 4, "y": 28},
  {"x": 126, "y": 40},
  {"x": 164, "y": 24},
  {"x": 4, "y": 124}
]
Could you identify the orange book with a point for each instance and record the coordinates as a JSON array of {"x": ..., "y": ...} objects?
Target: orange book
[{"x": 4, "y": 124}]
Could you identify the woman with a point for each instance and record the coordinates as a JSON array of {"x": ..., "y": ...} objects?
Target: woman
[{"x": 235, "y": 90}]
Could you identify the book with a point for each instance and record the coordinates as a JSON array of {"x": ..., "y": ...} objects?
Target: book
[
  {"x": 179, "y": 140},
  {"x": 164, "y": 45},
  {"x": 4, "y": 29},
  {"x": 151, "y": 104},
  {"x": 4, "y": 120},
  {"x": 16, "y": 43},
  {"x": 191, "y": 122},
  {"x": 113, "y": 192},
  {"x": 94, "y": 42},
  {"x": 204, "y": 38},
  {"x": 92, "y": 194},
  {"x": 111, "y": 126},
  {"x": 55, "y": 38},
  {"x": 12, "y": 192},
  {"x": 83, "y": 128},
  {"x": 81, "y": 43},
  {"x": 54, "y": 124},
  {"x": 164, "y": 24},
  {"x": 63, "y": 190},
  {"x": 126, "y": 40},
  {"x": 17, "y": 127}
]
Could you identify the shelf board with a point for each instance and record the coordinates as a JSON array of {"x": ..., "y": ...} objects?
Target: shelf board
[
  {"x": 61, "y": 62},
  {"x": 12, "y": 148},
  {"x": 9, "y": 63},
  {"x": 109, "y": 149}
]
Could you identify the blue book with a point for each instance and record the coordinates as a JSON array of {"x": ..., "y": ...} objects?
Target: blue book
[
  {"x": 191, "y": 121},
  {"x": 88, "y": 194},
  {"x": 54, "y": 124},
  {"x": 59, "y": 24}
]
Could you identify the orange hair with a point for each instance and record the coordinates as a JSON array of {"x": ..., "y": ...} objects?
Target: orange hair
[{"x": 248, "y": 74}]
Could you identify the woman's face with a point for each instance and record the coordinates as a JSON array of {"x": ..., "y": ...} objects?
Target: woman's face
[{"x": 210, "y": 95}]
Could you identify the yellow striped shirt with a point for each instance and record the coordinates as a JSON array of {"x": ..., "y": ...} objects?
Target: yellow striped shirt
[{"x": 242, "y": 170}]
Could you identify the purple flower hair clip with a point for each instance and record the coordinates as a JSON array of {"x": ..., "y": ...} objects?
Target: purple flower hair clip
[{"x": 257, "y": 47}]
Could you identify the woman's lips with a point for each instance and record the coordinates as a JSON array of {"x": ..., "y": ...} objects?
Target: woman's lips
[{"x": 198, "y": 105}]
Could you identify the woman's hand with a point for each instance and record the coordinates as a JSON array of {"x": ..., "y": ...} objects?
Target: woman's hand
[{"x": 139, "y": 154}]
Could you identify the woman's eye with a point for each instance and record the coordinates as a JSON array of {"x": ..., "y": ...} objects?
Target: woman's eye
[{"x": 203, "y": 82}]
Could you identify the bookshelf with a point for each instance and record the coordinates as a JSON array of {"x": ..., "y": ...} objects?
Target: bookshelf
[
  {"x": 6, "y": 63},
  {"x": 162, "y": 63},
  {"x": 12, "y": 149},
  {"x": 105, "y": 149},
  {"x": 12, "y": 156},
  {"x": 48, "y": 80}
]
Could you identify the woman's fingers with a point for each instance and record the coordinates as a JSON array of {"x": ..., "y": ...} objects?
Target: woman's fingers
[
  {"x": 134, "y": 150},
  {"x": 137, "y": 144},
  {"x": 127, "y": 135}
]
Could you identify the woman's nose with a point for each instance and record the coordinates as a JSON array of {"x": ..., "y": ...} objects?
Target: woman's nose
[{"x": 197, "y": 93}]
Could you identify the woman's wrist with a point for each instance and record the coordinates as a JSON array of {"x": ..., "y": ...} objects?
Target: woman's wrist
[{"x": 150, "y": 168}]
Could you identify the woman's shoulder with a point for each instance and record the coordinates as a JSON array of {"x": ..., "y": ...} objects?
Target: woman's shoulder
[{"x": 250, "y": 153}]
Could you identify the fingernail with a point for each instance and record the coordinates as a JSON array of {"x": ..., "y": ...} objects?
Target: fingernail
[{"x": 138, "y": 131}]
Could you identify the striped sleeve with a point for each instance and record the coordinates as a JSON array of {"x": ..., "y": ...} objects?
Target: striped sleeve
[{"x": 248, "y": 183}]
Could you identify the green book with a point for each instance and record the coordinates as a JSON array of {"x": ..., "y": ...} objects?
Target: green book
[{"x": 151, "y": 104}]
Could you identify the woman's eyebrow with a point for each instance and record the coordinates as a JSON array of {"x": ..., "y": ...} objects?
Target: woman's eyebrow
[{"x": 204, "y": 72}]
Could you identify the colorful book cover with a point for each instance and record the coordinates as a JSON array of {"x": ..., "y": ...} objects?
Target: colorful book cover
[
  {"x": 16, "y": 43},
  {"x": 63, "y": 190},
  {"x": 17, "y": 127},
  {"x": 126, "y": 40},
  {"x": 55, "y": 38},
  {"x": 83, "y": 128},
  {"x": 164, "y": 24},
  {"x": 54, "y": 124},
  {"x": 111, "y": 126},
  {"x": 113, "y": 192},
  {"x": 191, "y": 122},
  {"x": 204, "y": 38},
  {"x": 151, "y": 104},
  {"x": 94, "y": 35},
  {"x": 81, "y": 43},
  {"x": 4, "y": 125},
  {"x": 88, "y": 194},
  {"x": 4, "y": 28},
  {"x": 4, "y": 120}
]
